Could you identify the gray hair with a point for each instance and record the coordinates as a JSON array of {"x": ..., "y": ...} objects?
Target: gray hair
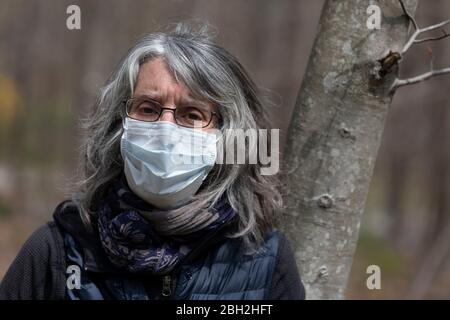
[{"x": 212, "y": 73}]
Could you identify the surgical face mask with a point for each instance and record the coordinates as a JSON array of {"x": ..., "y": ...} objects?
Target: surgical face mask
[{"x": 165, "y": 164}]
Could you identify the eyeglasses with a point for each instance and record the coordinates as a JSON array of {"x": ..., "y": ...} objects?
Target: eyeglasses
[{"x": 146, "y": 109}]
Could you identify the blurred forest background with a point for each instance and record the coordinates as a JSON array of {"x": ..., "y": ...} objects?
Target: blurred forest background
[{"x": 50, "y": 76}]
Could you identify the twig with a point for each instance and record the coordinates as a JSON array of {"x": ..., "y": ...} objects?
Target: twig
[
  {"x": 414, "y": 36},
  {"x": 445, "y": 35},
  {"x": 413, "y": 39},
  {"x": 432, "y": 73}
]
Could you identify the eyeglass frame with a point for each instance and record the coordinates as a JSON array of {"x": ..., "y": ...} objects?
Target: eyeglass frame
[{"x": 126, "y": 101}]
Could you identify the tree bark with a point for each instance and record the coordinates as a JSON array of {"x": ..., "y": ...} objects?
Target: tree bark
[{"x": 334, "y": 136}]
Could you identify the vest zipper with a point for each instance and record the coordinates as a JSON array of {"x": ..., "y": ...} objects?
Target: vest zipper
[
  {"x": 166, "y": 290},
  {"x": 167, "y": 280}
]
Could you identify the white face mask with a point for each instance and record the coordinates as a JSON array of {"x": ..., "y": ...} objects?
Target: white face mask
[{"x": 165, "y": 164}]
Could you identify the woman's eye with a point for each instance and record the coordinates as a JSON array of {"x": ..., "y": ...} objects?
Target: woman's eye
[
  {"x": 148, "y": 108},
  {"x": 191, "y": 114},
  {"x": 194, "y": 116}
]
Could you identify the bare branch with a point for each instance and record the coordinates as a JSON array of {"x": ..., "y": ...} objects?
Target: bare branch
[
  {"x": 410, "y": 17},
  {"x": 422, "y": 77},
  {"x": 413, "y": 38},
  {"x": 445, "y": 35},
  {"x": 435, "y": 26},
  {"x": 410, "y": 42}
]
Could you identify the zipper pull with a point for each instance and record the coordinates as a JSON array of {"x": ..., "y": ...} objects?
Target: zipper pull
[{"x": 166, "y": 291}]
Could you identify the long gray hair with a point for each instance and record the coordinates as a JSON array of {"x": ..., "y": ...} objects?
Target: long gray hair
[{"x": 212, "y": 73}]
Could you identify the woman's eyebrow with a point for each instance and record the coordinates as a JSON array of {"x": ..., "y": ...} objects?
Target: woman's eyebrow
[
  {"x": 189, "y": 100},
  {"x": 154, "y": 95},
  {"x": 149, "y": 94}
]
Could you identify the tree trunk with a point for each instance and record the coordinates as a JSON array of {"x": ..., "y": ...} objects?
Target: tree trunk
[{"x": 334, "y": 137}]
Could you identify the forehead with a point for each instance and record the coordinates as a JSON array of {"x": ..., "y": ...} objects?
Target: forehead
[
  {"x": 155, "y": 79},
  {"x": 155, "y": 75}
]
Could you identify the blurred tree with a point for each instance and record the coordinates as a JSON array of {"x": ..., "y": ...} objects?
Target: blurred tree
[{"x": 9, "y": 103}]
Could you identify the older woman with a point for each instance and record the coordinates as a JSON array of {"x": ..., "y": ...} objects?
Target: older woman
[{"x": 146, "y": 223}]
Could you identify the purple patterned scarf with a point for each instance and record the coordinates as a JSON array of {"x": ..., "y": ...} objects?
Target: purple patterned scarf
[{"x": 141, "y": 238}]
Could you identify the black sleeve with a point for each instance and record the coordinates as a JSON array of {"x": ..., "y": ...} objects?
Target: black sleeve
[
  {"x": 30, "y": 275},
  {"x": 286, "y": 282}
]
